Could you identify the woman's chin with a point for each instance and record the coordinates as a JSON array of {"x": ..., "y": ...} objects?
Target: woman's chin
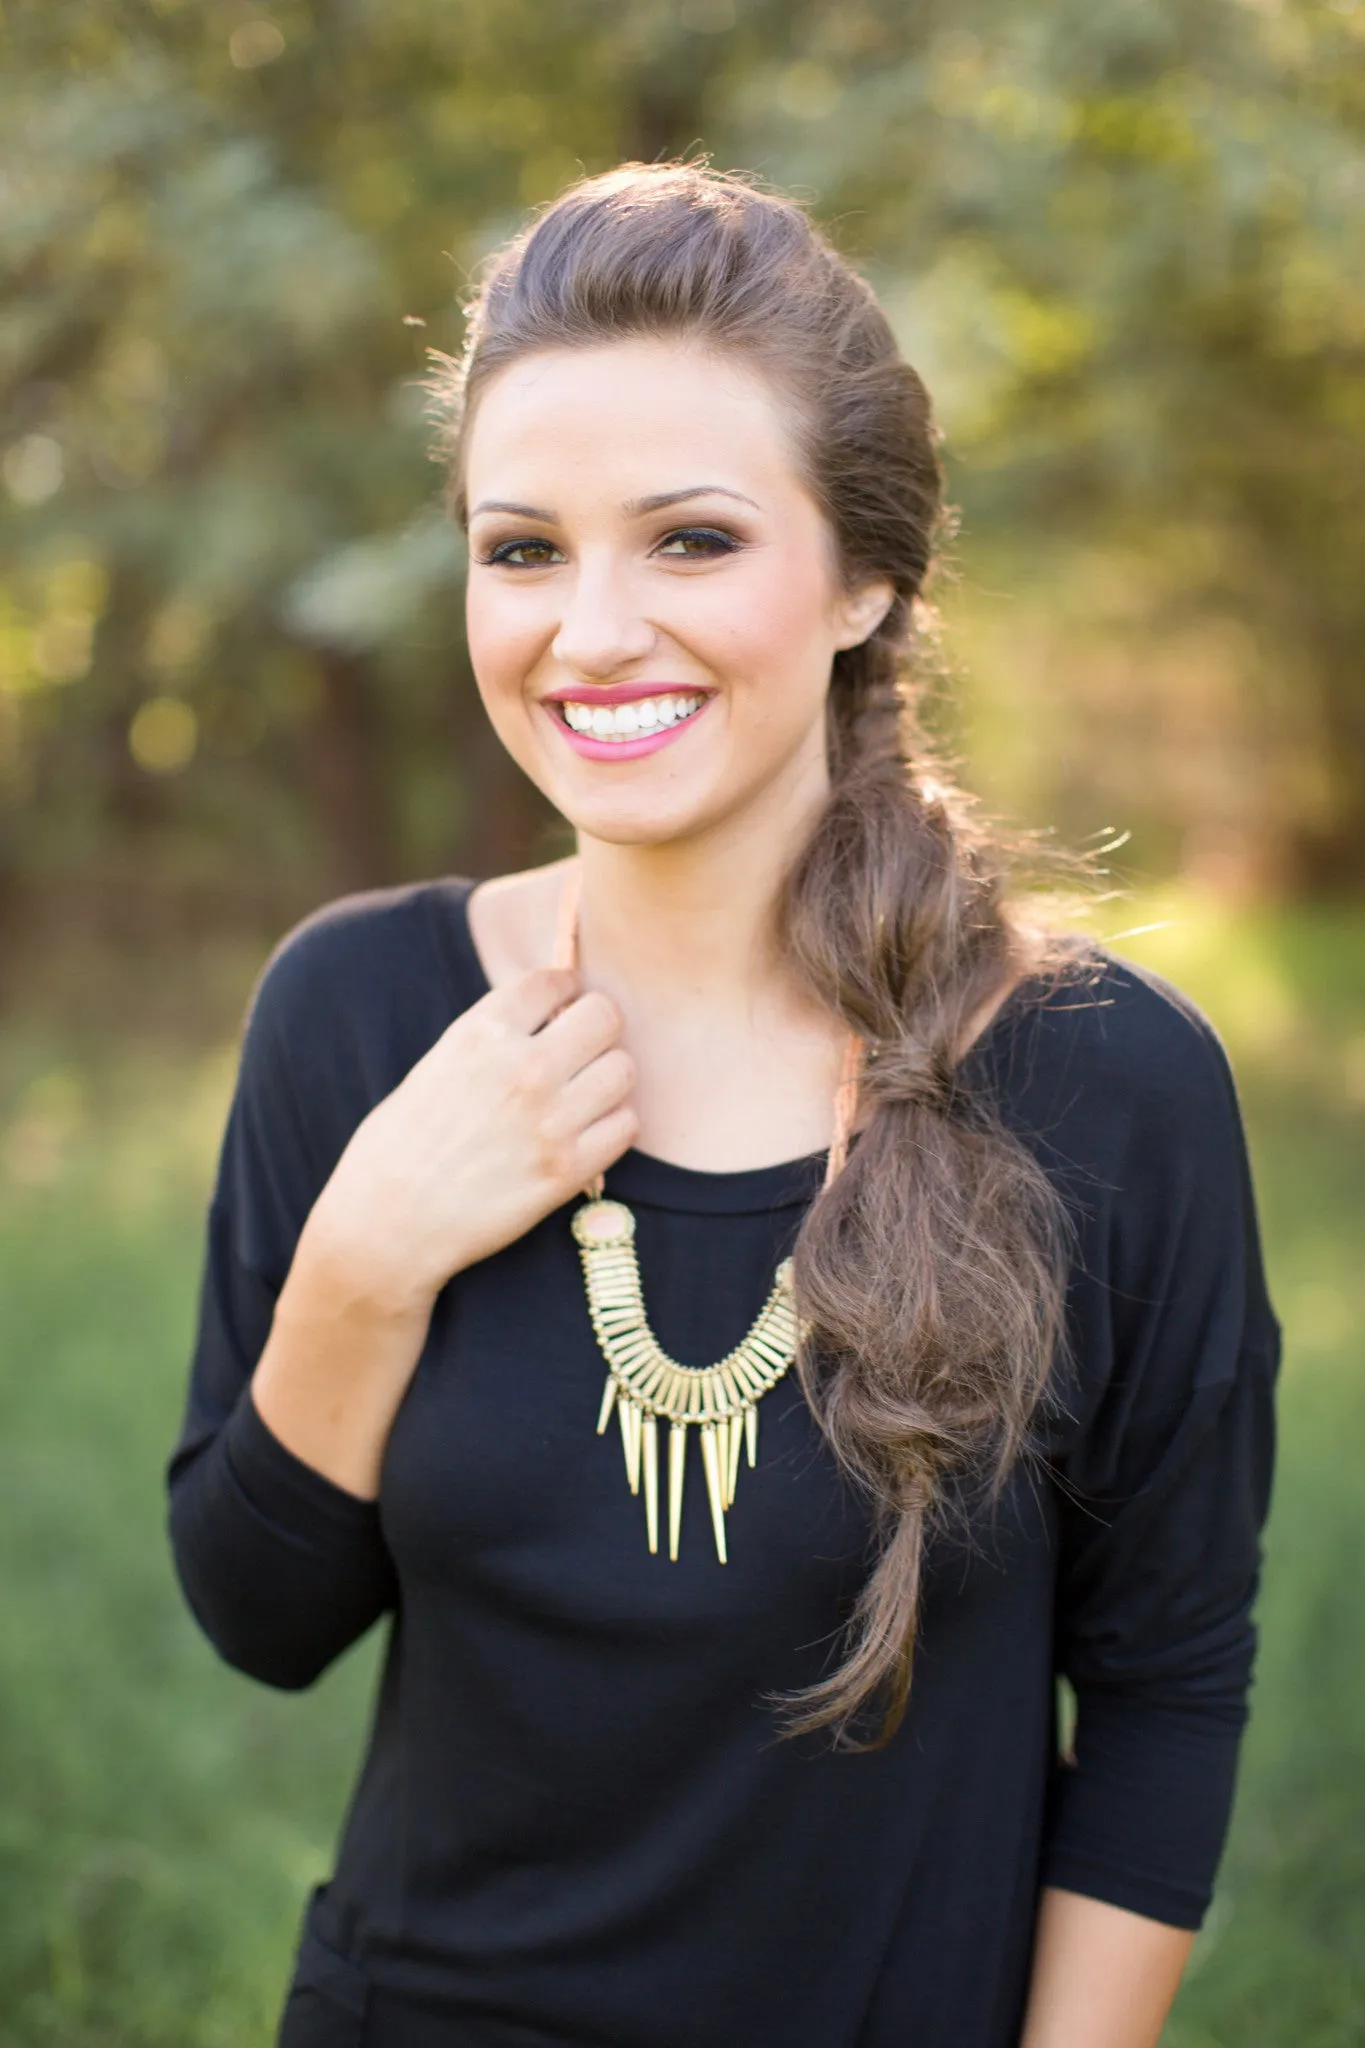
[{"x": 641, "y": 823}]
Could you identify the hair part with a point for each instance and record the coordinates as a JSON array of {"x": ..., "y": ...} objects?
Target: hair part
[{"x": 930, "y": 1273}]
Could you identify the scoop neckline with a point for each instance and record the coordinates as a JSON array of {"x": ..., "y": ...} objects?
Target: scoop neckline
[{"x": 638, "y": 1176}]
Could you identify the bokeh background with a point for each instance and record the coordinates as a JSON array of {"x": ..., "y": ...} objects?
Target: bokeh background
[{"x": 1125, "y": 244}]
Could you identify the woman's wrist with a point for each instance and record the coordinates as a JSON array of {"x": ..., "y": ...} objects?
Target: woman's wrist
[
  {"x": 339, "y": 1274},
  {"x": 339, "y": 1358},
  {"x": 1102, "y": 1977}
]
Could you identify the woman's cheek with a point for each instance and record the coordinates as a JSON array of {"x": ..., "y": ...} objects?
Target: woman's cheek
[
  {"x": 780, "y": 652},
  {"x": 740, "y": 634},
  {"x": 501, "y": 648}
]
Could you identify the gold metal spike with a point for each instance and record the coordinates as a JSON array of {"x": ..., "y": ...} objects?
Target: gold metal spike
[
  {"x": 636, "y": 1433},
  {"x": 710, "y": 1457},
  {"x": 651, "y": 1461},
  {"x": 723, "y": 1459},
  {"x": 736, "y": 1439},
  {"x": 630, "y": 1441},
  {"x": 751, "y": 1435},
  {"x": 608, "y": 1403},
  {"x": 677, "y": 1472}
]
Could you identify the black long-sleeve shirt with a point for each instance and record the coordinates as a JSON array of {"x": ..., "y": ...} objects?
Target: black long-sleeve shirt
[{"x": 575, "y": 1823}]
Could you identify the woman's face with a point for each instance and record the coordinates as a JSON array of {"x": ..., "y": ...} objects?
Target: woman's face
[{"x": 654, "y": 602}]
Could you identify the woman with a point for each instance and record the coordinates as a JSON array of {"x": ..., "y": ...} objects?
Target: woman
[{"x": 693, "y": 1731}]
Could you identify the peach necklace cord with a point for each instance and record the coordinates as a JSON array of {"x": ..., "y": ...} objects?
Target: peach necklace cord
[{"x": 644, "y": 1385}]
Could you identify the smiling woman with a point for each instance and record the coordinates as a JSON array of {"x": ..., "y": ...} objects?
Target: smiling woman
[
  {"x": 725, "y": 627},
  {"x": 936, "y": 1226}
]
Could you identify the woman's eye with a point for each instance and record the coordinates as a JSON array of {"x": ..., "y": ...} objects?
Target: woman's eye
[
  {"x": 695, "y": 543},
  {"x": 521, "y": 554},
  {"x": 698, "y": 541}
]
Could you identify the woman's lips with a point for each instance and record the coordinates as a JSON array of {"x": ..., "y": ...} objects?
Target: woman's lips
[{"x": 622, "y": 750}]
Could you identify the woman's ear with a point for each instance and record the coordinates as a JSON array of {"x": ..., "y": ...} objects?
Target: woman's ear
[{"x": 861, "y": 611}]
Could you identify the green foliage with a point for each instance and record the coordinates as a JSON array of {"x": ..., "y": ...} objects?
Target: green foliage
[
  {"x": 164, "y": 1817},
  {"x": 1124, "y": 243},
  {"x": 1126, "y": 246}
]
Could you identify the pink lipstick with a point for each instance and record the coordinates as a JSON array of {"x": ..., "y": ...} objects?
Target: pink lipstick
[{"x": 594, "y": 749}]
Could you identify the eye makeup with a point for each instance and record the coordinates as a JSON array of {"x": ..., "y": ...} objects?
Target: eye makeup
[{"x": 694, "y": 543}]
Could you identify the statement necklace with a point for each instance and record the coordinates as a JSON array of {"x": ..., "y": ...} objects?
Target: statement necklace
[{"x": 646, "y": 1387}]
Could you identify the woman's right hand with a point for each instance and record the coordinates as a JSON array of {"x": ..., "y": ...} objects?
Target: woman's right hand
[{"x": 517, "y": 1105}]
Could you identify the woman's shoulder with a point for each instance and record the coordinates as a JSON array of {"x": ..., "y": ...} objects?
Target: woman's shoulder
[
  {"x": 1099, "y": 1043},
  {"x": 416, "y": 936},
  {"x": 373, "y": 964},
  {"x": 1117, "y": 1012},
  {"x": 349, "y": 1000}
]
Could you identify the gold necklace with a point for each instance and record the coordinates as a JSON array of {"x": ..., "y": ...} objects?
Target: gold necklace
[{"x": 644, "y": 1385}]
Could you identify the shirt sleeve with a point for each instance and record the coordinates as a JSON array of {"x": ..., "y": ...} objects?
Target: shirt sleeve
[
  {"x": 282, "y": 1569},
  {"x": 1163, "y": 1491}
]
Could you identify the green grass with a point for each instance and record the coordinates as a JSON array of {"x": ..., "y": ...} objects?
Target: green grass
[{"x": 162, "y": 1817}]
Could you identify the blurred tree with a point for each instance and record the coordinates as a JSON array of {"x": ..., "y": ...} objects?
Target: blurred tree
[
  {"x": 225, "y": 230},
  {"x": 1127, "y": 246},
  {"x": 1119, "y": 242}
]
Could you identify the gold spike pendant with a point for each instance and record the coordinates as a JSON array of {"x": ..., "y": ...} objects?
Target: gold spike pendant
[{"x": 647, "y": 1388}]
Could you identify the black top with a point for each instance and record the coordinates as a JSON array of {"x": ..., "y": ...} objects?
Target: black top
[{"x": 576, "y": 1824}]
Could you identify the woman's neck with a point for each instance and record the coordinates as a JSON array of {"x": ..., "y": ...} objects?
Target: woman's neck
[{"x": 688, "y": 925}]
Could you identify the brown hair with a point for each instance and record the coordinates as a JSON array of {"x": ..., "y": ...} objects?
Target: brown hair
[{"x": 931, "y": 1270}]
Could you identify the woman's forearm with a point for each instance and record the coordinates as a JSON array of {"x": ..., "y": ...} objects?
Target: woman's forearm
[
  {"x": 1102, "y": 1977},
  {"x": 333, "y": 1373}
]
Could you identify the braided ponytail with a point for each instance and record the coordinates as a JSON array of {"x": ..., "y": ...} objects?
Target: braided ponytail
[
  {"x": 931, "y": 1269},
  {"x": 930, "y": 1272}
]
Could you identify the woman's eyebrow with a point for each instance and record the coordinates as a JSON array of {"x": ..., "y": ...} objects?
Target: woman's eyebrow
[
  {"x": 660, "y": 499},
  {"x": 634, "y": 508},
  {"x": 517, "y": 511}
]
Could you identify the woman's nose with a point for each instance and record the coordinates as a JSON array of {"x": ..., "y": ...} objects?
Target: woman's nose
[{"x": 602, "y": 628}]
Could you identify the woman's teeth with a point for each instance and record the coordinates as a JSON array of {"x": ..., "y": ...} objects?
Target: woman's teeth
[{"x": 629, "y": 721}]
